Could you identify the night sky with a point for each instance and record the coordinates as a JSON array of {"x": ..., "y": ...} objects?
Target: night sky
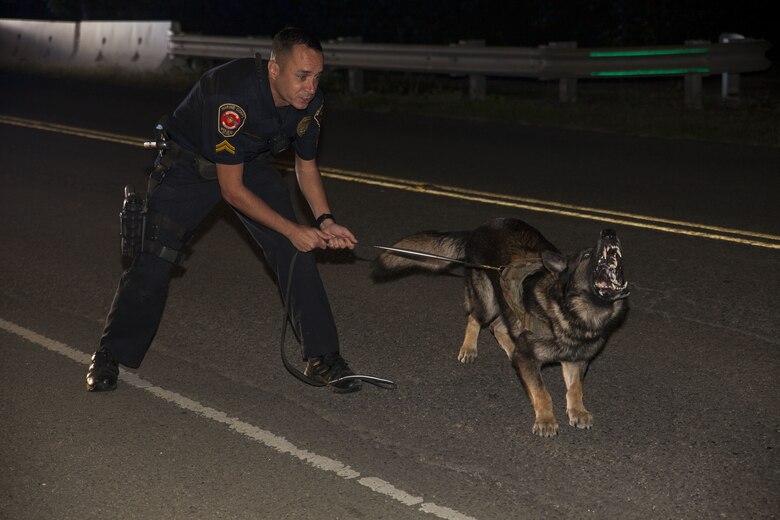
[{"x": 522, "y": 23}]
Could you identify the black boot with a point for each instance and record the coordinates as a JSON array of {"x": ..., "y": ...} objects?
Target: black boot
[
  {"x": 103, "y": 372},
  {"x": 330, "y": 369}
]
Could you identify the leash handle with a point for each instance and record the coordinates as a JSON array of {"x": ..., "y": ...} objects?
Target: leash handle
[{"x": 376, "y": 381}]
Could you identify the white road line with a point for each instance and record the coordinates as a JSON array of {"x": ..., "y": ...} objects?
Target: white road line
[{"x": 255, "y": 433}]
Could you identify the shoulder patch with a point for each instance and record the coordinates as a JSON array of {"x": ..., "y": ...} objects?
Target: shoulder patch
[
  {"x": 303, "y": 125},
  {"x": 231, "y": 119}
]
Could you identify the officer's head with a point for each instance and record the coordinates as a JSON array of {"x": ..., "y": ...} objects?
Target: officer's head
[{"x": 295, "y": 67}]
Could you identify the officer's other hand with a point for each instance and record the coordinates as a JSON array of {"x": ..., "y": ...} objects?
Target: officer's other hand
[{"x": 339, "y": 236}]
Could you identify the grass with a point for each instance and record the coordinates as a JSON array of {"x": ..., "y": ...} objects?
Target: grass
[{"x": 642, "y": 107}]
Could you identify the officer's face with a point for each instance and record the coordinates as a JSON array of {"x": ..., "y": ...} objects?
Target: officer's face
[{"x": 294, "y": 78}]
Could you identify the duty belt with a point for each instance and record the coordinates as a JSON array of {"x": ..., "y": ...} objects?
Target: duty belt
[{"x": 175, "y": 153}]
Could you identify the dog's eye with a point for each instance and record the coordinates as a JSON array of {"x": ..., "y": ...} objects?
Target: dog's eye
[{"x": 586, "y": 254}]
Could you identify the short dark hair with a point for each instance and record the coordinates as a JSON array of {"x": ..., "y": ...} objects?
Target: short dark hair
[{"x": 285, "y": 39}]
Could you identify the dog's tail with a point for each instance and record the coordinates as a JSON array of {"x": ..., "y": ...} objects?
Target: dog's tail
[{"x": 450, "y": 245}]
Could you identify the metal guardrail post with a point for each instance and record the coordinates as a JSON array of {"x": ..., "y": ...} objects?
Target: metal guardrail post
[
  {"x": 355, "y": 79},
  {"x": 567, "y": 86},
  {"x": 730, "y": 82},
  {"x": 693, "y": 90},
  {"x": 477, "y": 82}
]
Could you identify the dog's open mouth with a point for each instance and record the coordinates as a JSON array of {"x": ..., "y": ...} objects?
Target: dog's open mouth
[{"x": 608, "y": 279}]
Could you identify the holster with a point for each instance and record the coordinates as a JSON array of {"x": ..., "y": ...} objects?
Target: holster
[
  {"x": 139, "y": 230},
  {"x": 153, "y": 224}
]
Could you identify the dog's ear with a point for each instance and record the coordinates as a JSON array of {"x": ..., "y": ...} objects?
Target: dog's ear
[{"x": 554, "y": 262}]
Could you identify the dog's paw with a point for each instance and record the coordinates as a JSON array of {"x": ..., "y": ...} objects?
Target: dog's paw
[
  {"x": 546, "y": 427},
  {"x": 580, "y": 418},
  {"x": 467, "y": 355}
]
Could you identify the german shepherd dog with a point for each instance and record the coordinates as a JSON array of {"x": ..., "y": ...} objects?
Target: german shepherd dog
[{"x": 541, "y": 306}]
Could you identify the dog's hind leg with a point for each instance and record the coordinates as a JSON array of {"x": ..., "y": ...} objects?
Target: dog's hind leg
[
  {"x": 501, "y": 333},
  {"x": 468, "y": 351},
  {"x": 573, "y": 373}
]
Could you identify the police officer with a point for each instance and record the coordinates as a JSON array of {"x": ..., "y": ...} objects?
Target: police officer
[{"x": 222, "y": 137}]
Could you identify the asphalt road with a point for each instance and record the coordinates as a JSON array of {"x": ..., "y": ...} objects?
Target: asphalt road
[{"x": 212, "y": 426}]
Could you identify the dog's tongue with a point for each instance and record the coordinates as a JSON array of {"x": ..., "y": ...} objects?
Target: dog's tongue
[{"x": 604, "y": 277}]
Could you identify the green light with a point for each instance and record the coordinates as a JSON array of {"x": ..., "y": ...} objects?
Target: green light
[
  {"x": 656, "y": 72},
  {"x": 667, "y": 52}
]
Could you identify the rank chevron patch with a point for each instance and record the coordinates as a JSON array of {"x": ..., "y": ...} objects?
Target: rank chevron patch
[{"x": 224, "y": 146}]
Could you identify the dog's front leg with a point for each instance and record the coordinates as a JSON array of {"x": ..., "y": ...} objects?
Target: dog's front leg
[
  {"x": 529, "y": 370},
  {"x": 468, "y": 351},
  {"x": 573, "y": 374}
]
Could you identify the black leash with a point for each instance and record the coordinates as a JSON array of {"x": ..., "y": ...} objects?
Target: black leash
[
  {"x": 412, "y": 252},
  {"x": 377, "y": 381}
]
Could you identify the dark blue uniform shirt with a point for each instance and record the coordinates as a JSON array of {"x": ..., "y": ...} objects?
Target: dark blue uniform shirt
[{"x": 229, "y": 116}]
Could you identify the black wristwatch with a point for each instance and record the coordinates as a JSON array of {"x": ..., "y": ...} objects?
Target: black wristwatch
[{"x": 322, "y": 218}]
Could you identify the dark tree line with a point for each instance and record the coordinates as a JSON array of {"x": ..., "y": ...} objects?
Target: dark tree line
[{"x": 521, "y": 22}]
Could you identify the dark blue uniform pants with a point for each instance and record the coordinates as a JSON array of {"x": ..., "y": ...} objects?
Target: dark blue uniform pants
[{"x": 187, "y": 199}]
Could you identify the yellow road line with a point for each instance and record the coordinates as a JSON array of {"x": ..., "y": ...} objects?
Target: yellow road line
[
  {"x": 72, "y": 130},
  {"x": 678, "y": 227},
  {"x": 497, "y": 198},
  {"x": 545, "y": 207}
]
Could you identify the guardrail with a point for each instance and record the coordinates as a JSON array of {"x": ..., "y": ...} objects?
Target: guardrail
[
  {"x": 562, "y": 61},
  {"x": 146, "y": 45}
]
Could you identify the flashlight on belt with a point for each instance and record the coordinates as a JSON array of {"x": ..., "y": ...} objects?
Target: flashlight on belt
[
  {"x": 161, "y": 143},
  {"x": 157, "y": 145}
]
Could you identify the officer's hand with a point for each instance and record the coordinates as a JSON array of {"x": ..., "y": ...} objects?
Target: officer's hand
[
  {"x": 340, "y": 237},
  {"x": 306, "y": 238}
]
